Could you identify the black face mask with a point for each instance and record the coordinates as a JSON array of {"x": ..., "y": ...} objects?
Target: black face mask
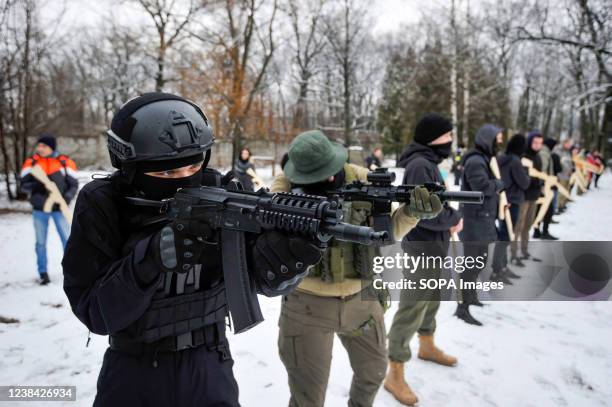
[
  {"x": 442, "y": 150},
  {"x": 156, "y": 188}
]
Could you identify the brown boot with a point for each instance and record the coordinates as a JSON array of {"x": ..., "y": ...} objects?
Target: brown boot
[
  {"x": 429, "y": 351},
  {"x": 397, "y": 386}
]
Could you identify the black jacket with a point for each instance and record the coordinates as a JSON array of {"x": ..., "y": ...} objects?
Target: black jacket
[
  {"x": 372, "y": 159},
  {"x": 479, "y": 220},
  {"x": 515, "y": 177},
  {"x": 532, "y": 193},
  {"x": 240, "y": 172},
  {"x": 101, "y": 275},
  {"x": 109, "y": 270},
  {"x": 421, "y": 166}
]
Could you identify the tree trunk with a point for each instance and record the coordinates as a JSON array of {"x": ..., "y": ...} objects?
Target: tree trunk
[
  {"x": 5, "y": 157},
  {"x": 453, "y": 78},
  {"x": 347, "y": 77},
  {"x": 159, "y": 77}
]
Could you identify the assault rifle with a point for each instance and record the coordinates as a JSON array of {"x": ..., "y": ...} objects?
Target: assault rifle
[
  {"x": 235, "y": 212},
  {"x": 380, "y": 191}
]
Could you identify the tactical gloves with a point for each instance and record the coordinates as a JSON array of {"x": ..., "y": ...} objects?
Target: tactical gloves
[
  {"x": 281, "y": 262},
  {"x": 178, "y": 246},
  {"x": 423, "y": 205}
]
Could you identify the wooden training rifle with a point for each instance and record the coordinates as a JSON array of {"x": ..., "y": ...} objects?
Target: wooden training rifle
[
  {"x": 256, "y": 180},
  {"x": 503, "y": 210},
  {"x": 550, "y": 181},
  {"x": 55, "y": 196}
]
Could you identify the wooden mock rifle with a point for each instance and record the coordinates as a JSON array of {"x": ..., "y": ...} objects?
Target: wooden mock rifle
[
  {"x": 55, "y": 196},
  {"x": 550, "y": 181},
  {"x": 503, "y": 210}
]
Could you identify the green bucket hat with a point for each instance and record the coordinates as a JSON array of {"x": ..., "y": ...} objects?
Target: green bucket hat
[{"x": 313, "y": 158}]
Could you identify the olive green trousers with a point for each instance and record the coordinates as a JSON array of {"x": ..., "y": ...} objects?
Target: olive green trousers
[{"x": 308, "y": 324}]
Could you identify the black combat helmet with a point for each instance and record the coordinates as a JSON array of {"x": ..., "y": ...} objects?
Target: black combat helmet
[{"x": 157, "y": 127}]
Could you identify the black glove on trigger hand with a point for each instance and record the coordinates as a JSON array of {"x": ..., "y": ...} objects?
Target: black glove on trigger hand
[
  {"x": 281, "y": 262},
  {"x": 178, "y": 246}
]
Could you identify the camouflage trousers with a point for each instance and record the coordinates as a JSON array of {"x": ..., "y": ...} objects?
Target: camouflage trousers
[{"x": 308, "y": 324}]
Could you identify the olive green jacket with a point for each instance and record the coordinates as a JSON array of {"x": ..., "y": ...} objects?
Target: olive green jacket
[{"x": 401, "y": 224}]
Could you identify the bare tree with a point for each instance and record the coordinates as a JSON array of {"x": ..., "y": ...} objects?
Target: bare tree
[
  {"x": 347, "y": 35},
  {"x": 112, "y": 65},
  {"x": 243, "y": 43},
  {"x": 308, "y": 44},
  {"x": 454, "y": 102},
  {"x": 586, "y": 30},
  {"x": 21, "y": 54},
  {"x": 171, "y": 19}
]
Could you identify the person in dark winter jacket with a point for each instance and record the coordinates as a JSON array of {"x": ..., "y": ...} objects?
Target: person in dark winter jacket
[
  {"x": 479, "y": 220},
  {"x": 432, "y": 144},
  {"x": 599, "y": 161},
  {"x": 527, "y": 209},
  {"x": 456, "y": 168},
  {"x": 156, "y": 285},
  {"x": 516, "y": 180},
  {"x": 554, "y": 168},
  {"x": 61, "y": 170},
  {"x": 374, "y": 161},
  {"x": 241, "y": 170}
]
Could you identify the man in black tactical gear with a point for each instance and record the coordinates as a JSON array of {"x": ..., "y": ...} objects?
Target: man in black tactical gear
[{"x": 156, "y": 286}]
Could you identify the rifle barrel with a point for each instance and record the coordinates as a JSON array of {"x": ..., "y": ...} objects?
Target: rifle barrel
[
  {"x": 466, "y": 197},
  {"x": 356, "y": 234}
]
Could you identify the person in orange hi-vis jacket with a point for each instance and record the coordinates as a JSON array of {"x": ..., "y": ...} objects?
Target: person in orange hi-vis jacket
[{"x": 61, "y": 170}]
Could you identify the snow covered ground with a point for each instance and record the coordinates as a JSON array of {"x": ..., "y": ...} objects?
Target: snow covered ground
[{"x": 526, "y": 354}]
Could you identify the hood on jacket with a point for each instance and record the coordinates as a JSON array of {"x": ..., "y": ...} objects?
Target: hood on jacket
[
  {"x": 414, "y": 150},
  {"x": 531, "y": 135},
  {"x": 550, "y": 143},
  {"x": 486, "y": 138},
  {"x": 517, "y": 145},
  {"x": 529, "y": 152}
]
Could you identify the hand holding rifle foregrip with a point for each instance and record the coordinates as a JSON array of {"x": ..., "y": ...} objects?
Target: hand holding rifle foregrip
[
  {"x": 380, "y": 191},
  {"x": 234, "y": 212}
]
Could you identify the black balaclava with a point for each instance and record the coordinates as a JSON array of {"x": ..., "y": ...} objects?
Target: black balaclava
[
  {"x": 156, "y": 188},
  {"x": 442, "y": 150}
]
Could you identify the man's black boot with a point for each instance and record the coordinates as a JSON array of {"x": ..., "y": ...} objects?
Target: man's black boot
[
  {"x": 463, "y": 313},
  {"x": 548, "y": 236}
]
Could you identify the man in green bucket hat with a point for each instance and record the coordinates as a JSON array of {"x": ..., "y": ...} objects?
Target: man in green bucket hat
[{"x": 328, "y": 301}]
